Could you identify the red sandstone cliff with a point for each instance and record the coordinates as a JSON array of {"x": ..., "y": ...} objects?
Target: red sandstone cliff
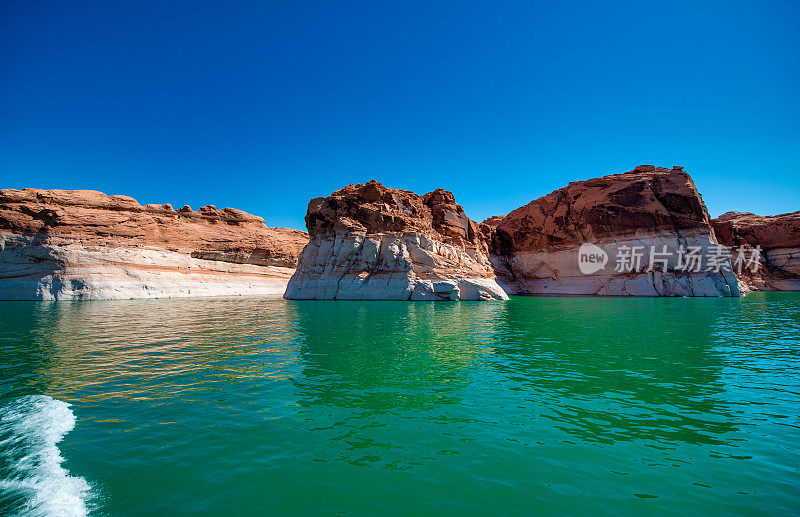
[
  {"x": 535, "y": 248},
  {"x": 779, "y": 240},
  {"x": 94, "y": 218},
  {"x": 66, "y": 244},
  {"x": 372, "y": 242}
]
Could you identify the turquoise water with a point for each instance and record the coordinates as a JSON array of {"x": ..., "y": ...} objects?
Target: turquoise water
[{"x": 546, "y": 406}]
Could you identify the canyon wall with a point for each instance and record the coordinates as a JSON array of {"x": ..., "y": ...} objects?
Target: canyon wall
[
  {"x": 623, "y": 219},
  {"x": 82, "y": 245},
  {"x": 778, "y": 238},
  {"x": 369, "y": 242}
]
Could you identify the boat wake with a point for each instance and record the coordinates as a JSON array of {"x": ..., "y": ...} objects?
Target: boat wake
[{"x": 32, "y": 480}]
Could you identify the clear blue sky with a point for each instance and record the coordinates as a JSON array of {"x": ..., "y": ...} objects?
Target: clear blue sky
[{"x": 264, "y": 105}]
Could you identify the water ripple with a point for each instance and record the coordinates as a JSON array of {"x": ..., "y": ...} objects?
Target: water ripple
[{"x": 630, "y": 405}]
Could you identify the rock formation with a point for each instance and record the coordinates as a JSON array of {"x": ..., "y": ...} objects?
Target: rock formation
[
  {"x": 369, "y": 242},
  {"x": 535, "y": 249},
  {"x": 82, "y": 244},
  {"x": 778, "y": 238}
]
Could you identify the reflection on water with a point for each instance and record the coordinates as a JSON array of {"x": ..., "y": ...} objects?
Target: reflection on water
[
  {"x": 602, "y": 367},
  {"x": 148, "y": 349},
  {"x": 394, "y": 355},
  {"x": 489, "y": 405}
]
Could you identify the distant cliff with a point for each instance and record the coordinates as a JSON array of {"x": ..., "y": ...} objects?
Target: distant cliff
[
  {"x": 82, "y": 244},
  {"x": 777, "y": 236}
]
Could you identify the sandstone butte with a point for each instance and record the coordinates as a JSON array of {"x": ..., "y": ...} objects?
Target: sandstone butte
[
  {"x": 534, "y": 249},
  {"x": 778, "y": 238},
  {"x": 370, "y": 242},
  {"x": 83, "y": 244}
]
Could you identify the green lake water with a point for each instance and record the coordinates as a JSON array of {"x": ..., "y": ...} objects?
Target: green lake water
[{"x": 535, "y": 406}]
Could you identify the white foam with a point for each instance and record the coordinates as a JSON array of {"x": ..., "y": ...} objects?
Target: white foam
[{"x": 30, "y": 429}]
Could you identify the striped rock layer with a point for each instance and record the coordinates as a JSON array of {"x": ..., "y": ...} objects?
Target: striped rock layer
[{"x": 84, "y": 245}]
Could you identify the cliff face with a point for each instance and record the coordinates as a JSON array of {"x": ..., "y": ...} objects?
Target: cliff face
[
  {"x": 535, "y": 248},
  {"x": 60, "y": 244},
  {"x": 779, "y": 239},
  {"x": 372, "y": 242}
]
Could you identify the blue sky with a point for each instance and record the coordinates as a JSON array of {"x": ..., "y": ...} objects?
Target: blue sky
[{"x": 262, "y": 106}]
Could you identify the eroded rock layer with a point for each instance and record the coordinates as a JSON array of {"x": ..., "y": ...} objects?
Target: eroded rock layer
[
  {"x": 369, "y": 242},
  {"x": 62, "y": 245},
  {"x": 778, "y": 238},
  {"x": 536, "y": 248}
]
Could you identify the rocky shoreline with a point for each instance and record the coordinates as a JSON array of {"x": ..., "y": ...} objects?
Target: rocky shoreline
[{"x": 371, "y": 242}]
